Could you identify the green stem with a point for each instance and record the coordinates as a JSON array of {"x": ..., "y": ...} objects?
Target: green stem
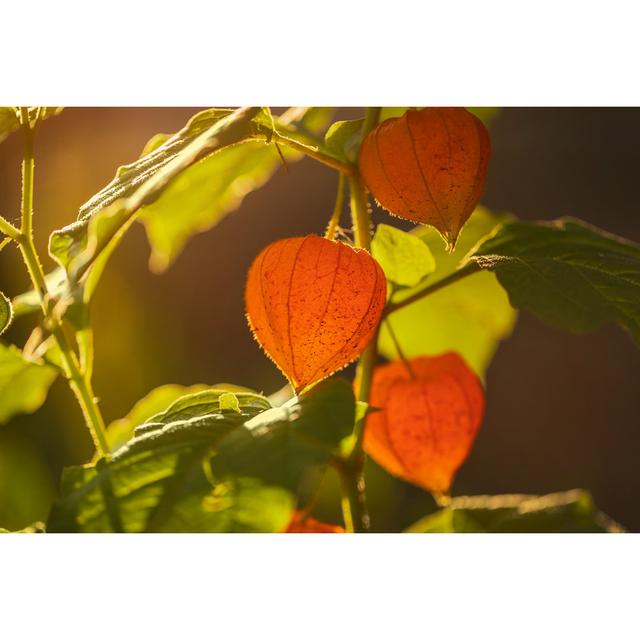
[
  {"x": 332, "y": 227},
  {"x": 371, "y": 119},
  {"x": 8, "y": 229},
  {"x": 28, "y": 167},
  {"x": 354, "y": 501},
  {"x": 360, "y": 213},
  {"x": 79, "y": 381},
  {"x": 316, "y": 153},
  {"x": 467, "y": 270}
]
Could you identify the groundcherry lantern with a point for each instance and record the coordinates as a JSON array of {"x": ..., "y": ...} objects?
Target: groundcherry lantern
[
  {"x": 429, "y": 412},
  {"x": 313, "y": 305},
  {"x": 429, "y": 166}
]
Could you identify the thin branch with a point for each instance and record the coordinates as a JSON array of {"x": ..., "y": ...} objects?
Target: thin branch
[
  {"x": 467, "y": 270},
  {"x": 330, "y": 234}
]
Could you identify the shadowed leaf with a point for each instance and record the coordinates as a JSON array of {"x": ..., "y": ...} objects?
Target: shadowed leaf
[
  {"x": 568, "y": 273},
  {"x": 197, "y": 466}
]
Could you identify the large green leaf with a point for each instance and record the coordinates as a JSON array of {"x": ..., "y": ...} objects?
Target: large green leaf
[
  {"x": 23, "y": 384},
  {"x": 568, "y": 273},
  {"x": 214, "y": 187},
  {"x": 470, "y": 316},
  {"x": 280, "y": 444},
  {"x": 212, "y": 461},
  {"x": 121, "y": 430},
  {"x": 103, "y": 220},
  {"x": 565, "y": 512},
  {"x": 6, "y": 313}
]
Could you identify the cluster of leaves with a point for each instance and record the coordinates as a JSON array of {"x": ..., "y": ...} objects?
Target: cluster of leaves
[{"x": 225, "y": 459}]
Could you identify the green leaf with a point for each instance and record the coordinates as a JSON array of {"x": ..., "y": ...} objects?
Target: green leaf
[
  {"x": 23, "y": 384},
  {"x": 200, "y": 467},
  {"x": 120, "y": 431},
  {"x": 565, "y": 512},
  {"x": 158, "y": 481},
  {"x": 279, "y": 445},
  {"x": 470, "y": 316},
  {"x": 568, "y": 273},
  {"x": 104, "y": 219},
  {"x": 6, "y": 313},
  {"x": 404, "y": 258},
  {"x": 36, "y": 527},
  {"x": 343, "y": 139},
  {"x": 205, "y": 193},
  {"x": 10, "y": 121}
]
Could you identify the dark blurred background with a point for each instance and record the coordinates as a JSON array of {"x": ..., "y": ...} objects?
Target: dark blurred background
[{"x": 562, "y": 409}]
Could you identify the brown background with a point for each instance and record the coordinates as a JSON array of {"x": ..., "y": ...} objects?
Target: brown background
[{"x": 562, "y": 409}]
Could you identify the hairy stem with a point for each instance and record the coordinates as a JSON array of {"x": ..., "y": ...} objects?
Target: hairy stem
[
  {"x": 354, "y": 500},
  {"x": 332, "y": 227},
  {"x": 316, "y": 153},
  {"x": 8, "y": 229},
  {"x": 79, "y": 381}
]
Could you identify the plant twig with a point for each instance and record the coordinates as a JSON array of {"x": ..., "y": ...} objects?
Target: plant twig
[
  {"x": 332, "y": 227},
  {"x": 354, "y": 500},
  {"x": 79, "y": 382},
  {"x": 8, "y": 229},
  {"x": 315, "y": 152},
  {"x": 463, "y": 272},
  {"x": 398, "y": 349}
]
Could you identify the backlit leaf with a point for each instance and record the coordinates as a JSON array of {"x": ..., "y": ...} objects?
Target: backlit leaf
[
  {"x": 214, "y": 187},
  {"x": 10, "y": 120},
  {"x": 103, "y": 220},
  {"x": 568, "y": 273},
  {"x": 6, "y": 313},
  {"x": 469, "y": 317},
  {"x": 343, "y": 138},
  {"x": 23, "y": 384},
  {"x": 313, "y": 305},
  {"x": 404, "y": 257}
]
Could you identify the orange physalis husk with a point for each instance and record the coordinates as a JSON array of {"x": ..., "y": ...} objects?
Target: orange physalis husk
[
  {"x": 429, "y": 166},
  {"x": 430, "y": 413},
  {"x": 301, "y": 523},
  {"x": 313, "y": 305}
]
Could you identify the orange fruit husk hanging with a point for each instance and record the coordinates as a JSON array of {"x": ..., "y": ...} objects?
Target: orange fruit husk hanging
[
  {"x": 429, "y": 415},
  {"x": 313, "y": 305},
  {"x": 301, "y": 523},
  {"x": 429, "y": 166}
]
